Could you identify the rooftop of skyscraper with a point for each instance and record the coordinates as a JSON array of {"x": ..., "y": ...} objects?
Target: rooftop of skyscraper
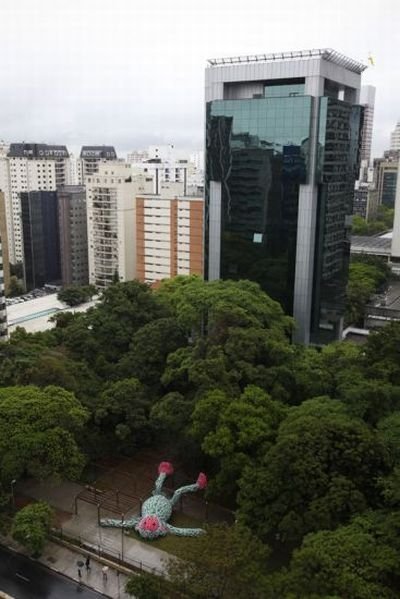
[{"x": 325, "y": 53}]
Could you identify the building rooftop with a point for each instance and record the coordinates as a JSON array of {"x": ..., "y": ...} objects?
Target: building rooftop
[
  {"x": 29, "y": 150},
  {"x": 107, "y": 152},
  {"x": 325, "y": 53},
  {"x": 379, "y": 246},
  {"x": 33, "y": 315}
]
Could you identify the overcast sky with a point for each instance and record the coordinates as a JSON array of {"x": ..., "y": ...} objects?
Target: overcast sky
[{"x": 131, "y": 73}]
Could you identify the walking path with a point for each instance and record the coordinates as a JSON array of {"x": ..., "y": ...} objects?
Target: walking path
[
  {"x": 84, "y": 527},
  {"x": 64, "y": 561}
]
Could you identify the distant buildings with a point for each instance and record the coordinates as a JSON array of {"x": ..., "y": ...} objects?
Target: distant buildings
[
  {"x": 111, "y": 212},
  {"x": 41, "y": 241},
  {"x": 165, "y": 164},
  {"x": 386, "y": 170},
  {"x": 395, "y": 138},
  {"x": 73, "y": 235},
  {"x": 365, "y": 195},
  {"x": 4, "y": 242},
  {"x": 282, "y": 156},
  {"x": 395, "y": 249},
  {"x": 29, "y": 167},
  {"x": 3, "y": 311},
  {"x": 90, "y": 158},
  {"x": 169, "y": 237},
  {"x": 367, "y": 100}
]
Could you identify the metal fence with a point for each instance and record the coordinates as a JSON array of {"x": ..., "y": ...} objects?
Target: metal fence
[{"x": 105, "y": 550}]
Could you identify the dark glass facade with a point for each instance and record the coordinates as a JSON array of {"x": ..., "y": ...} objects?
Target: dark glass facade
[
  {"x": 338, "y": 160},
  {"x": 258, "y": 149},
  {"x": 41, "y": 238},
  {"x": 389, "y": 188}
]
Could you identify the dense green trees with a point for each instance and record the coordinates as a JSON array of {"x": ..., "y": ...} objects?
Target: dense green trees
[
  {"x": 383, "y": 221},
  {"x": 15, "y": 287},
  {"x": 227, "y": 562},
  {"x": 31, "y": 526},
  {"x": 145, "y": 586},
  {"x": 322, "y": 469},
  {"x": 76, "y": 294},
  {"x": 38, "y": 433},
  {"x": 352, "y": 561},
  {"x": 367, "y": 275},
  {"x": 304, "y": 443}
]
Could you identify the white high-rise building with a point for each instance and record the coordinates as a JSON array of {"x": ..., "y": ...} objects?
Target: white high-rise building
[
  {"x": 3, "y": 310},
  {"x": 367, "y": 99},
  {"x": 90, "y": 158},
  {"x": 167, "y": 165},
  {"x": 395, "y": 138},
  {"x": 197, "y": 158},
  {"x": 111, "y": 210},
  {"x": 29, "y": 167}
]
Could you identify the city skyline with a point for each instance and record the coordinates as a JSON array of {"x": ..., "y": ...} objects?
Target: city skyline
[{"x": 115, "y": 74}]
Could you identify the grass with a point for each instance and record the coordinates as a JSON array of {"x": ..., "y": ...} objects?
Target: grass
[{"x": 171, "y": 543}]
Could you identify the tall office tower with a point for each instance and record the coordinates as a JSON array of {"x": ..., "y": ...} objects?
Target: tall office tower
[
  {"x": 169, "y": 237},
  {"x": 386, "y": 170},
  {"x": 365, "y": 203},
  {"x": 395, "y": 138},
  {"x": 4, "y": 242},
  {"x": 73, "y": 235},
  {"x": 29, "y": 167},
  {"x": 367, "y": 100},
  {"x": 282, "y": 155},
  {"x": 3, "y": 310},
  {"x": 41, "y": 238},
  {"x": 90, "y": 159},
  {"x": 111, "y": 212}
]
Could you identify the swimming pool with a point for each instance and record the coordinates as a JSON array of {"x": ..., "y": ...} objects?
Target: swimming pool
[{"x": 39, "y": 314}]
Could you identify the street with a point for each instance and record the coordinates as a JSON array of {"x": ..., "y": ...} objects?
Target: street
[{"x": 25, "y": 579}]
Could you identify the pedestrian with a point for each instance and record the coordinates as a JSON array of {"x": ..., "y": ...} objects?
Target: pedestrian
[
  {"x": 87, "y": 564},
  {"x": 104, "y": 570},
  {"x": 80, "y": 574}
]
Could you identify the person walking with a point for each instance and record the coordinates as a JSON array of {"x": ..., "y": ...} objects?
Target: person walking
[
  {"x": 80, "y": 575},
  {"x": 87, "y": 564},
  {"x": 104, "y": 570}
]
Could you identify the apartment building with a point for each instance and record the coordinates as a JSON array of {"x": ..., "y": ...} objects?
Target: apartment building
[
  {"x": 111, "y": 212},
  {"x": 90, "y": 159},
  {"x": 73, "y": 235},
  {"x": 3, "y": 311},
  {"x": 4, "y": 241},
  {"x": 169, "y": 237},
  {"x": 29, "y": 167}
]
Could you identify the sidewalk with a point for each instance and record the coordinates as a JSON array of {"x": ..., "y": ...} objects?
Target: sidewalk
[
  {"x": 84, "y": 526},
  {"x": 64, "y": 561}
]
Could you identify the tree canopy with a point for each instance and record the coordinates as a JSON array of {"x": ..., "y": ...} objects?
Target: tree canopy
[
  {"x": 302, "y": 442},
  {"x": 38, "y": 433}
]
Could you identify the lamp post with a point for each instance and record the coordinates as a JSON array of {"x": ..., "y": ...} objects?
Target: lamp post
[
  {"x": 122, "y": 537},
  {"x": 12, "y": 493}
]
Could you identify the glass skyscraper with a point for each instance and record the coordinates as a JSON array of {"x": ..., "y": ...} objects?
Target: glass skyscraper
[
  {"x": 282, "y": 153},
  {"x": 41, "y": 237}
]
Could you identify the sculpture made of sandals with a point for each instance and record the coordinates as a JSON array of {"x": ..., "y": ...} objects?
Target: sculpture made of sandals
[{"x": 157, "y": 509}]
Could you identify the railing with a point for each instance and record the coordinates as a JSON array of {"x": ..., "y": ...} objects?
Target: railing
[
  {"x": 382, "y": 313},
  {"x": 104, "y": 550}
]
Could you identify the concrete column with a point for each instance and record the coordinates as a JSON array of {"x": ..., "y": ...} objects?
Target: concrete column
[
  {"x": 396, "y": 224},
  {"x": 214, "y": 231},
  {"x": 306, "y": 225}
]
